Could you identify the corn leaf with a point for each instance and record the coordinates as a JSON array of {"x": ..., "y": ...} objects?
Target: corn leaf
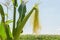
[
  {"x": 2, "y": 14},
  {"x": 22, "y": 10},
  {"x": 13, "y": 1},
  {"x": 8, "y": 28},
  {"x": 2, "y": 31},
  {"x": 8, "y": 33},
  {"x": 21, "y": 1},
  {"x": 8, "y": 21},
  {"x": 4, "y": 26}
]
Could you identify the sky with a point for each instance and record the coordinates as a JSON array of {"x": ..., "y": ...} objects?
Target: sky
[{"x": 49, "y": 16}]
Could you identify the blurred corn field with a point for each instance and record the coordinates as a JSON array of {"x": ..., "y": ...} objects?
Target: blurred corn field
[{"x": 40, "y": 37}]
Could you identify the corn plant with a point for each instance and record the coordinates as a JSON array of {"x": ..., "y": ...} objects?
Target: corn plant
[{"x": 5, "y": 33}]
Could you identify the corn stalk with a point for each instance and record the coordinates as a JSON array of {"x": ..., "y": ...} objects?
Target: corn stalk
[
  {"x": 21, "y": 24},
  {"x": 21, "y": 21},
  {"x": 14, "y": 16}
]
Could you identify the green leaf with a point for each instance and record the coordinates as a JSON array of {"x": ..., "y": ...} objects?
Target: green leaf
[
  {"x": 8, "y": 33},
  {"x": 13, "y": 1},
  {"x": 22, "y": 11},
  {"x": 2, "y": 13},
  {"x": 9, "y": 21},
  {"x": 2, "y": 31},
  {"x": 21, "y": 1}
]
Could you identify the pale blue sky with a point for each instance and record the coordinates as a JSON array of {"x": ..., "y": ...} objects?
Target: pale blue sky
[{"x": 49, "y": 16}]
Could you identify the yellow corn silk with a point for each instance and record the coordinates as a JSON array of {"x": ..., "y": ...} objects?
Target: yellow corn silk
[{"x": 36, "y": 25}]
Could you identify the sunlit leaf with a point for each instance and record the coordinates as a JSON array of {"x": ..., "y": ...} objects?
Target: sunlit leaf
[
  {"x": 2, "y": 31},
  {"x": 21, "y": 1},
  {"x": 13, "y": 1},
  {"x": 4, "y": 28},
  {"x": 8, "y": 32},
  {"x": 10, "y": 36},
  {"x": 9, "y": 21}
]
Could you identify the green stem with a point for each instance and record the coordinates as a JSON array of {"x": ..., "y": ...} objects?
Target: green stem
[{"x": 14, "y": 16}]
